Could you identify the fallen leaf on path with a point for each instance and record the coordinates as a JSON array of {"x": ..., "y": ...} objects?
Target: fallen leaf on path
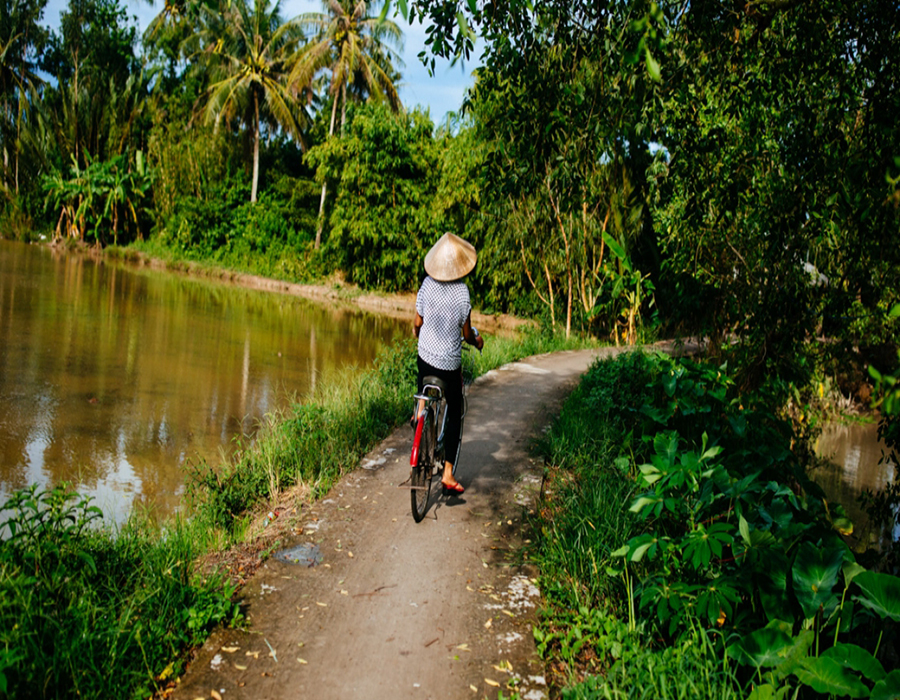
[
  {"x": 254, "y": 654},
  {"x": 473, "y": 688},
  {"x": 487, "y": 625},
  {"x": 469, "y": 588},
  {"x": 302, "y": 661},
  {"x": 230, "y": 650},
  {"x": 345, "y": 592},
  {"x": 322, "y": 605},
  {"x": 507, "y": 612},
  {"x": 215, "y": 695},
  {"x": 350, "y": 554},
  {"x": 463, "y": 647},
  {"x": 240, "y": 668},
  {"x": 493, "y": 683}
]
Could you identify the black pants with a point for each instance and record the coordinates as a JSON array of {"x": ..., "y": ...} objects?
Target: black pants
[{"x": 452, "y": 378}]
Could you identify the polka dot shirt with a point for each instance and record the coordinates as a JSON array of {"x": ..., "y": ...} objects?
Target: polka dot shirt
[{"x": 444, "y": 306}]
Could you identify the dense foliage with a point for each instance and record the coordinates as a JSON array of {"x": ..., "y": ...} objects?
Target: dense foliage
[
  {"x": 707, "y": 168},
  {"x": 91, "y": 613},
  {"x": 767, "y": 212},
  {"x": 727, "y": 544}
]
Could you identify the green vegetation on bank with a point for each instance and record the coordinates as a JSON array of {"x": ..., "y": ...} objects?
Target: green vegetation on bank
[
  {"x": 683, "y": 548},
  {"x": 91, "y": 612}
]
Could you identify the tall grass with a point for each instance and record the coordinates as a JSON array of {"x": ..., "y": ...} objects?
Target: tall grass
[
  {"x": 590, "y": 450},
  {"x": 689, "y": 671}
]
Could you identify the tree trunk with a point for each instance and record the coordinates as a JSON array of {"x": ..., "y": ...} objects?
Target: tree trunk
[
  {"x": 550, "y": 296},
  {"x": 255, "y": 148},
  {"x": 325, "y": 181}
]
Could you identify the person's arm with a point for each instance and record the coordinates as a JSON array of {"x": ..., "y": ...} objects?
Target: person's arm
[
  {"x": 470, "y": 335},
  {"x": 417, "y": 324}
]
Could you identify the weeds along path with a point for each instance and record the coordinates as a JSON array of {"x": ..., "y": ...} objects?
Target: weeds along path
[{"x": 437, "y": 610}]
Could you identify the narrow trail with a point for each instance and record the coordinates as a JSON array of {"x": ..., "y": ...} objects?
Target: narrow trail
[{"x": 437, "y": 610}]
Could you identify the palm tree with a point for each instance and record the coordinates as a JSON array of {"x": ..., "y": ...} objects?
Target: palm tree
[
  {"x": 357, "y": 50},
  {"x": 251, "y": 53},
  {"x": 21, "y": 41}
]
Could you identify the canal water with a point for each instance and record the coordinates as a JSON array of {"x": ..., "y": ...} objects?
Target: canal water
[
  {"x": 855, "y": 464},
  {"x": 115, "y": 378}
]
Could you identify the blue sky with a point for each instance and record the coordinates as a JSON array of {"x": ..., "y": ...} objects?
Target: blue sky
[{"x": 440, "y": 94}]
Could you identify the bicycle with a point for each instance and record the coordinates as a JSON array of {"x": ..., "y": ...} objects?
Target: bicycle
[{"x": 427, "y": 457}]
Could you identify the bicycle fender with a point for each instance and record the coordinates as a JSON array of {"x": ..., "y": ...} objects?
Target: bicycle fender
[{"x": 414, "y": 457}]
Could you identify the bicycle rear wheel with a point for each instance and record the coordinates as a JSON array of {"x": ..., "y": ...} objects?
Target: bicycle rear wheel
[{"x": 424, "y": 469}]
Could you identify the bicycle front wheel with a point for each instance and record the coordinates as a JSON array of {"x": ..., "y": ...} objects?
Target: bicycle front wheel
[{"x": 422, "y": 472}]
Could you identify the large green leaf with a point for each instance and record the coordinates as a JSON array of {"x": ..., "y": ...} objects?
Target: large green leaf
[
  {"x": 881, "y": 593},
  {"x": 772, "y": 583},
  {"x": 614, "y": 246},
  {"x": 888, "y": 688},
  {"x": 815, "y": 573},
  {"x": 827, "y": 676},
  {"x": 793, "y": 656},
  {"x": 761, "y": 648},
  {"x": 857, "y": 659}
]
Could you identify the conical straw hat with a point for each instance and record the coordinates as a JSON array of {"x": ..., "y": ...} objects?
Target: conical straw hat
[{"x": 451, "y": 258}]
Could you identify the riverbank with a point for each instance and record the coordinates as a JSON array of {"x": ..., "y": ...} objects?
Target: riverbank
[{"x": 335, "y": 290}]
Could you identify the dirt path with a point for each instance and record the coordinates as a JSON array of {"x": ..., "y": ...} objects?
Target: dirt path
[{"x": 435, "y": 610}]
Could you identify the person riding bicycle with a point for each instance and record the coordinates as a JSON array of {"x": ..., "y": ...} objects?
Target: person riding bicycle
[{"x": 443, "y": 320}]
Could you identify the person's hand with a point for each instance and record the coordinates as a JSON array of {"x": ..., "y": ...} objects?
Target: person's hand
[{"x": 479, "y": 342}]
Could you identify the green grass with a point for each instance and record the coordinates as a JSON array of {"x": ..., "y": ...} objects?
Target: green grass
[
  {"x": 689, "y": 671},
  {"x": 91, "y": 613}
]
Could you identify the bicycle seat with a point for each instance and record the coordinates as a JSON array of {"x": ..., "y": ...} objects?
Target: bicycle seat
[{"x": 433, "y": 382}]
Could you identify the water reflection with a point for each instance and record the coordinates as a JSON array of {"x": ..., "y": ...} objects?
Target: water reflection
[
  {"x": 855, "y": 456},
  {"x": 113, "y": 378}
]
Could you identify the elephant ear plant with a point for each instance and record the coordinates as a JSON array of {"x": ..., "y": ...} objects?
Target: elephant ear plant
[{"x": 737, "y": 537}]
